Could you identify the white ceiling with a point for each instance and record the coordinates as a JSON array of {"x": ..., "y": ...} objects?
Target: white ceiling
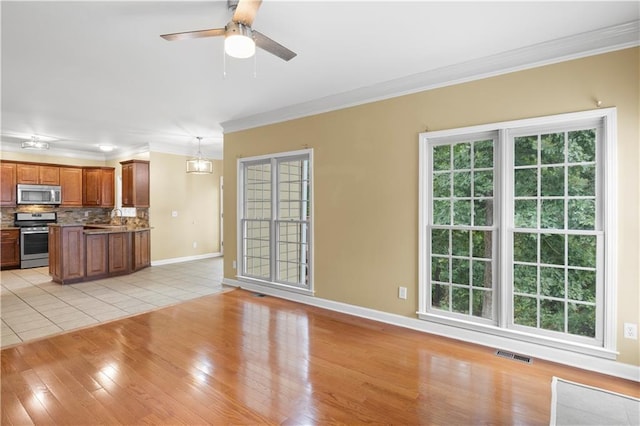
[{"x": 86, "y": 73}]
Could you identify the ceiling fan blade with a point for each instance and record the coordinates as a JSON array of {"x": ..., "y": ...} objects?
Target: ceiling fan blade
[
  {"x": 273, "y": 47},
  {"x": 193, "y": 34},
  {"x": 246, "y": 11}
]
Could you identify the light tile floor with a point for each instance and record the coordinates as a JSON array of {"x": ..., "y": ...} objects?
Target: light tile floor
[{"x": 32, "y": 306}]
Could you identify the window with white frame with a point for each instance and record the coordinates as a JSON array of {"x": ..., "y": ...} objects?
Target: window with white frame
[
  {"x": 517, "y": 233},
  {"x": 275, "y": 219}
]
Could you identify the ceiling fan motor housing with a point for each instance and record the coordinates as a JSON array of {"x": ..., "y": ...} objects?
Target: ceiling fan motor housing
[{"x": 236, "y": 28}]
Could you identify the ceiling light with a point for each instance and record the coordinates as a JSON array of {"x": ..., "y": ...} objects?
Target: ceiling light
[
  {"x": 106, "y": 148},
  {"x": 238, "y": 41},
  {"x": 199, "y": 165},
  {"x": 35, "y": 143}
]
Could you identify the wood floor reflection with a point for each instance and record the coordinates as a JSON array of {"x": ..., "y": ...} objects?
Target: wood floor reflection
[{"x": 234, "y": 358}]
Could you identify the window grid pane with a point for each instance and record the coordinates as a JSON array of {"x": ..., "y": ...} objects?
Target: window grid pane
[
  {"x": 293, "y": 254},
  {"x": 461, "y": 246},
  {"x": 276, "y": 220},
  {"x": 555, "y": 238},
  {"x": 257, "y": 248},
  {"x": 257, "y": 196}
]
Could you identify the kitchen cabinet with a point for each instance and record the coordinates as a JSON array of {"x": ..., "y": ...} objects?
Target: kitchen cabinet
[
  {"x": 98, "y": 186},
  {"x": 141, "y": 249},
  {"x": 119, "y": 252},
  {"x": 71, "y": 183},
  {"x": 97, "y": 252},
  {"x": 90, "y": 252},
  {"x": 135, "y": 183},
  {"x": 66, "y": 253},
  {"x": 36, "y": 174},
  {"x": 7, "y": 184},
  {"x": 9, "y": 248}
]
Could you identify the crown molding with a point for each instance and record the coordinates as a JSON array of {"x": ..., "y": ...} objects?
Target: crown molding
[
  {"x": 213, "y": 152},
  {"x": 591, "y": 43},
  {"x": 55, "y": 152}
]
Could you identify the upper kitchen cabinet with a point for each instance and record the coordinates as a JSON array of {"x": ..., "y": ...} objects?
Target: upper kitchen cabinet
[
  {"x": 71, "y": 183},
  {"x": 7, "y": 184},
  {"x": 98, "y": 186},
  {"x": 38, "y": 174},
  {"x": 135, "y": 183}
]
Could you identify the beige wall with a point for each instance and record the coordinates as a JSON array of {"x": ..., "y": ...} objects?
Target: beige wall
[
  {"x": 366, "y": 175},
  {"x": 196, "y": 198}
]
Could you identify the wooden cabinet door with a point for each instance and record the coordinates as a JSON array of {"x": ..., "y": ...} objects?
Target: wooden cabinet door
[
  {"x": 141, "y": 250},
  {"x": 97, "y": 247},
  {"x": 108, "y": 198},
  {"x": 28, "y": 174},
  {"x": 98, "y": 187},
  {"x": 119, "y": 252},
  {"x": 91, "y": 187},
  {"x": 49, "y": 175},
  {"x": 71, "y": 183},
  {"x": 72, "y": 252},
  {"x": 9, "y": 248},
  {"x": 127, "y": 185},
  {"x": 8, "y": 184},
  {"x": 135, "y": 183},
  {"x": 55, "y": 261}
]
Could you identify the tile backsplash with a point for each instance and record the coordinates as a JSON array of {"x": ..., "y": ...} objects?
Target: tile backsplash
[{"x": 79, "y": 215}]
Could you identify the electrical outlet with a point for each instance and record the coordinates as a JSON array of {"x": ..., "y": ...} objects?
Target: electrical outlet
[
  {"x": 234, "y": 264},
  {"x": 402, "y": 292},
  {"x": 630, "y": 331},
  {"x": 195, "y": 244},
  {"x": 174, "y": 213}
]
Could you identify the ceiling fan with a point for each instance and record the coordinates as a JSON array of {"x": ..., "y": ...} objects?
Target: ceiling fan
[{"x": 240, "y": 39}]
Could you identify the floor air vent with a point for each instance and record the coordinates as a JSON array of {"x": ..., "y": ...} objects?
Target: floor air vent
[{"x": 515, "y": 357}]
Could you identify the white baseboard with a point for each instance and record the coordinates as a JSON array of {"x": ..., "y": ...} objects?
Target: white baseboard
[
  {"x": 574, "y": 359},
  {"x": 184, "y": 259}
]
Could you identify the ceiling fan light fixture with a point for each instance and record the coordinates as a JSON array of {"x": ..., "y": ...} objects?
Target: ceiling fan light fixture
[
  {"x": 238, "y": 41},
  {"x": 199, "y": 165}
]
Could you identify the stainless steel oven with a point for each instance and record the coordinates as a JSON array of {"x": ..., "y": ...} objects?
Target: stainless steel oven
[{"x": 34, "y": 238}]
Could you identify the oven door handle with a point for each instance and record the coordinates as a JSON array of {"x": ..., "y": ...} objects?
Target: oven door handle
[{"x": 34, "y": 232}]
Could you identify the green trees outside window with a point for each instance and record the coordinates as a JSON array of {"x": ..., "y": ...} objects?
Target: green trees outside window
[
  {"x": 554, "y": 241},
  {"x": 553, "y": 229},
  {"x": 461, "y": 239}
]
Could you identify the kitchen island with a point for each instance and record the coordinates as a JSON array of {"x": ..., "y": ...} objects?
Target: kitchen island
[{"x": 88, "y": 252}]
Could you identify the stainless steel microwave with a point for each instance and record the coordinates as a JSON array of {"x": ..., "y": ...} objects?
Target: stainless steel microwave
[{"x": 39, "y": 194}]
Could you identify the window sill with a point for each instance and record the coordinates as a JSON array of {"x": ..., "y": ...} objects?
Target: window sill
[{"x": 482, "y": 329}]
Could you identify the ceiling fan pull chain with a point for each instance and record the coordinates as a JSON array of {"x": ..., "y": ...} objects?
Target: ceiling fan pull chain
[{"x": 255, "y": 66}]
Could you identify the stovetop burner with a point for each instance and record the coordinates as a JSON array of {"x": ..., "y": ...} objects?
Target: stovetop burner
[{"x": 27, "y": 220}]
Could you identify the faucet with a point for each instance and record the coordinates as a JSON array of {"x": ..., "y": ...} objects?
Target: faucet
[{"x": 115, "y": 212}]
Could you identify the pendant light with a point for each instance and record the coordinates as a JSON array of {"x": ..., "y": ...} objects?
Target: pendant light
[{"x": 199, "y": 165}]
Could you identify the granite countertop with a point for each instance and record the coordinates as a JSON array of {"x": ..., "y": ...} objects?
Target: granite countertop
[
  {"x": 97, "y": 228},
  {"x": 8, "y": 228}
]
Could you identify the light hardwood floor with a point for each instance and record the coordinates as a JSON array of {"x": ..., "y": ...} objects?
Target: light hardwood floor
[{"x": 236, "y": 358}]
